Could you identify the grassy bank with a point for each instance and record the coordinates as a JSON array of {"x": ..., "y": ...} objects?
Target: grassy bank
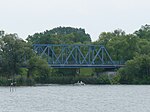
[{"x": 24, "y": 81}]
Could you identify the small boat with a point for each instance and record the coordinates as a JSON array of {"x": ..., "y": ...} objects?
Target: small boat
[{"x": 79, "y": 83}]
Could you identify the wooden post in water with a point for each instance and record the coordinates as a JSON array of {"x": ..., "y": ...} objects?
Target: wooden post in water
[{"x": 12, "y": 86}]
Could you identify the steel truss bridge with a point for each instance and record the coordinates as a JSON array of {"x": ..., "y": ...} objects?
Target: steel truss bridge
[{"x": 75, "y": 56}]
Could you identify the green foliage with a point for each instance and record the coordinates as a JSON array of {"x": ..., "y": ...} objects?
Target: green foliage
[
  {"x": 24, "y": 81},
  {"x": 4, "y": 81},
  {"x": 105, "y": 37},
  {"x": 136, "y": 70},
  {"x": 13, "y": 52},
  {"x": 144, "y": 46},
  {"x": 98, "y": 70},
  {"x": 71, "y": 80},
  {"x": 60, "y": 35},
  {"x": 143, "y": 32},
  {"x": 121, "y": 46},
  {"x": 134, "y": 49},
  {"x": 109, "y": 79},
  {"x": 38, "y": 67},
  {"x": 86, "y": 71},
  {"x": 115, "y": 79},
  {"x": 23, "y": 71}
]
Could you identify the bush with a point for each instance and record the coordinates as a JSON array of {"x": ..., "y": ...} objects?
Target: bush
[
  {"x": 24, "y": 81},
  {"x": 4, "y": 81},
  {"x": 103, "y": 79},
  {"x": 136, "y": 71}
]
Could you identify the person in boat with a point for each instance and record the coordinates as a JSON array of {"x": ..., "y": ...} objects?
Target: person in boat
[
  {"x": 11, "y": 84},
  {"x": 79, "y": 83}
]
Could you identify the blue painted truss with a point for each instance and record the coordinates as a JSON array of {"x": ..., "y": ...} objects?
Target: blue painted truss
[{"x": 75, "y": 56}]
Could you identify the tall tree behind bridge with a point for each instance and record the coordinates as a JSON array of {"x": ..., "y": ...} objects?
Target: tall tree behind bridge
[{"x": 60, "y": 35}]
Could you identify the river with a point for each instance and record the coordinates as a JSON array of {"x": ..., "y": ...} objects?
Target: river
[{"x": 68, "y": 98}]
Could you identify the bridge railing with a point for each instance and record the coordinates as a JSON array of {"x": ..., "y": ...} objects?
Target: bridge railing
[{"x": 77, "y": 55}]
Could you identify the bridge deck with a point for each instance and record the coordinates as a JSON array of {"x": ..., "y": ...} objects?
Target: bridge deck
[{"x": 84, "y": 66}]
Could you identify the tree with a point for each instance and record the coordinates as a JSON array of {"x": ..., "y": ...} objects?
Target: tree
[
  {"x": 121, "y": 46},
  {"x": 144, "y": 46},
  {"x": 136, "y": 70},
  {"x": 18, "y": 61},
  {"x": 143, "y": 32},
  {"x": 38, "y": 69},
  {"x": 14, "y": 52},
  {"x": 60, "y": 35},
  {"x": 105, "y": 37}
]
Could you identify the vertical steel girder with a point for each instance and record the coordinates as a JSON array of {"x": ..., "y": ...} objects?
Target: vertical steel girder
[{"x": 73, "y": 55}]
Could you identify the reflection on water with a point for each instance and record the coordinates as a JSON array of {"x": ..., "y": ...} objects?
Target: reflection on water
[{"x": 89, "y": 98}]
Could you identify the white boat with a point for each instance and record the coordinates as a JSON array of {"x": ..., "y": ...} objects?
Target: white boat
[{"x": 79, "y": 83}]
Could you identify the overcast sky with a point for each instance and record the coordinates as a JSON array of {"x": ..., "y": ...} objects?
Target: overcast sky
[{"x": 26, "y": 17}]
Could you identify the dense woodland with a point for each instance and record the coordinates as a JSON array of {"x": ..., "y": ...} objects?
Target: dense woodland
[{"x": 18, "y": 61}]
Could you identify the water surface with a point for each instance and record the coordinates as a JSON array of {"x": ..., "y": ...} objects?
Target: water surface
[{"x": 68, "y": 98}]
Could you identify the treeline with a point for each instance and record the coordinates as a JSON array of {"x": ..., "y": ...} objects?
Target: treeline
[
  {"x": 18, "y": 62},
  {"x": 134, "y": 50}
]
